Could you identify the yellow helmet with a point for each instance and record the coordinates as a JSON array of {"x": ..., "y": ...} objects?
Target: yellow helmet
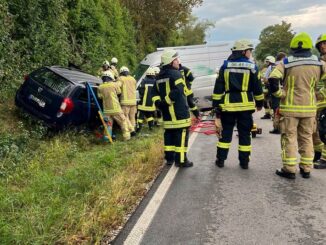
[
  {"x": 168, "y": 56},
  {"x": 242, "y": 44},
  {"x": 114, "y": 60},
  {"x": 150, "y": 71},
  {"x": 301, "y": 40},
  {"x": 124, "y": 69},
  {"x": 156, "y": 70},
  {"x": 270, "y": 59},
  {"x": 321, "y": 38}
]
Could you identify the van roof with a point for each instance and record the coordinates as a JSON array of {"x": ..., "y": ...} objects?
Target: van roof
[{"x": 74, "y": 75}]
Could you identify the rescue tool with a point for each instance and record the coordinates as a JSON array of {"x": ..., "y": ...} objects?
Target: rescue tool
[{"x": 107, "y": 125}]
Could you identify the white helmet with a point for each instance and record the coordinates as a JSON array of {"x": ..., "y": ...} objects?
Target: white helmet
[
  {"x": 106, "y": 63},
  {"x": 168, "y": 56},
  {"x": 150, "y": 71},
  {"x": 156, "y": 70},
  {"x": 124, "y": 69},
  {"x": 114, "y": 60},
  {"x": 270, "y": 59},
  {"x": 108, "y": 73},
  {"x": 241, "y": 45}
]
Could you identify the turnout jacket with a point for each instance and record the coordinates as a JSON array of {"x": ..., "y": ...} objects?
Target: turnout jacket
[
  {"x": 169, "y": 96},
  {"x": 237, "y": 87},
  {"x": 145, "y": 93},
  {"x": 109, "y": 92},
  {"x": 321, "y": 102},
  {"x": 128, "y": 90},
  {"x": 300, "y": 76},
  {"x": 188, "y": 78}
]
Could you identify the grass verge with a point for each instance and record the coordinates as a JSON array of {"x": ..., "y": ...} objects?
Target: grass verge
[{"x": 69, "y": 189}]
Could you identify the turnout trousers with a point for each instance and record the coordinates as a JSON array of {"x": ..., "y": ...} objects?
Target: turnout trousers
[
  {"x": 297, "y": 131},
  {"x": 244, "y": 122},
  {"x": 147, "y": 116},
  {"x": 121, "y": 120},
  {"x": 130, "y": 113},
  {"x": 176, "y": 145}
]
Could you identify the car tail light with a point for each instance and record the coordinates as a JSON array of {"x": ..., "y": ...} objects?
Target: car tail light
[{"x": 67, "y": 105}]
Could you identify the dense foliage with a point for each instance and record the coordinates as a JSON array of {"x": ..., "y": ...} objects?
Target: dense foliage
[{"x": 274, "y": 39}]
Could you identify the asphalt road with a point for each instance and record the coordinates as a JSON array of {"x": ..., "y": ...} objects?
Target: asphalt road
[{"x": 209, "y": 205}]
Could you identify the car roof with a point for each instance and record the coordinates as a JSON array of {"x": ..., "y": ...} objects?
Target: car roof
[{"x": 75, "y": 76}]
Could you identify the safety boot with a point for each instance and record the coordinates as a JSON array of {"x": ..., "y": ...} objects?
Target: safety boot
[
  {"x": 321, "y": 164},
  {"x": 317, "y": 156},
  {"x": 283, "y": 173},
  {"x": 244, "y": 164},
  {"x": 304, "y": 174},
  {"x": 275, "y": 131},
  {"x": 219, "y": 163},
  {"x": 186, "y": 164},
  {"x": 169, "y": 163}
]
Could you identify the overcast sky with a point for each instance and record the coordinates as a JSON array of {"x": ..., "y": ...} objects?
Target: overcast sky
[{"x": 235, "y": 19}]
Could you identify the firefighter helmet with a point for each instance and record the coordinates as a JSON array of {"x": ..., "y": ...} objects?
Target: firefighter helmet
[
  {"x": 107, "y": 76},
  {"x": 168, "y": 56},
  {"x": 156, "y": 70},
  {"x": 124, "y": 69},
  {"x": 150, "y": 72},
  {"x": 270, "y": 59},
  {"x": 321, "y": 38},
  {"x": 301, "y": 41},
  {"x": 106, "y": 63},
  {"x": 114, "y": 60},
  {"x": 241, "y": 45}
]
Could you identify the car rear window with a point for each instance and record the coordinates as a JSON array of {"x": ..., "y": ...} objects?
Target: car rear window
[{"x": 52, "y": 80}]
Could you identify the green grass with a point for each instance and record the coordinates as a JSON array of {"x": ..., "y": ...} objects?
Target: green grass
[{"x": 71, "y": 188}]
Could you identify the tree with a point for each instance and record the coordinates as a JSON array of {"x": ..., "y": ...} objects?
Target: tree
[
  {"x": 191, "y": 33},
  {"x": 274, "y": 39}
]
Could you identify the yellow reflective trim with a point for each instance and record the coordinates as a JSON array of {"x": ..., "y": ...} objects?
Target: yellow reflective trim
[
  {"x": 244, "y": 97},
  {"x": 319, "y": 147},
  {"x": 150, "y": 119},
  {"x": 184, "y": 123},
  {"x": 140, "y": 120},
  {"x": 292, "y": 91},
  {"x": 168, "y": 100},
  {"x": 147, "y": 108},
  {"x": 180, "y": 80},
  {"x": 189, "y": 72},
  {"x": 227, "y": 99},
  {"x": 259, "y": 97},
  {"x": 193, "y": 108},
  {"x": 276, "y": 74},
  {"x": 223, "y": 145},
  {"x": 312, "y": 91},
  {"x": 226, "y": 78},
  {"x": 169, "y": 148},
  {"x": 217, "y": 96},
  {"x": 245, "y": 81},
  {"x": 245, "y": 148},
  {"x": 156, "y": 98},
  {"x": 183, "y": 148},
  {"x": 145, "y": 96},
  {"x": 295, "y": 108},
  {"x": 187, "y": 91},
  {"x": 278, "y": 93},
  {"x": 323, "y": 77}
]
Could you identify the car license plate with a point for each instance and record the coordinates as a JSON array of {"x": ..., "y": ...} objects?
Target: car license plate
[{"x": 40, "y": 102}]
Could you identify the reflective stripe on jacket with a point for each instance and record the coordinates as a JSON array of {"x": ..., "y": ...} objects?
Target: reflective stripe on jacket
[
  {"x": 237, "y": 87},
  {"x": 145, "y": 92},
  {"x": 300, "y": 76},
  {"x": 128, "y": 90}
]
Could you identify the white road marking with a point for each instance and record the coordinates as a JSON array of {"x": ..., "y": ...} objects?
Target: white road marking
[{"x": 138, "y": 231}]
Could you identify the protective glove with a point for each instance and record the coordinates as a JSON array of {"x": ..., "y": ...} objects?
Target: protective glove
[
  {"x": 218, "y": 126},
  {"x": 196, "y": 113}
]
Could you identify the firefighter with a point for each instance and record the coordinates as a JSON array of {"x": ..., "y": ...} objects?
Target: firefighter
[
  {"x": 236, "y": 90},
  {"x": 319, "y": 147},
  {"x": 300, "y": 73},
  {"x": 128, "y": 99},
  {"x": 114, "y": 67},
  {"x": 105, "y": 67},
  {"x": 109, "y": 92},
  {"x": 268, "y": 63},
  {"x": 189, "y": 78},
  {"x": 169, "y": 96},
  {"x": 146, "y": 107}
]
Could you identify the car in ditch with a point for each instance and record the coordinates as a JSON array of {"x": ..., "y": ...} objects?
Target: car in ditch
[{"x": 58, "y": 96}]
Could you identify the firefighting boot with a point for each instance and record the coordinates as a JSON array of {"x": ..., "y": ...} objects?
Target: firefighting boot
[
  {"x": 219, "y": 162},
  {"x": 186, "y": 164},
  {"x": 304, "y": 174},
  {"x": 321, "y": 164},
  {"x": 150, "y": 125},
  {"x": 169, "y": 163},
  {"x": 317, "y": 156},
  {"x": 283, "y": 173},
  {"x": 244, "y": 164}
]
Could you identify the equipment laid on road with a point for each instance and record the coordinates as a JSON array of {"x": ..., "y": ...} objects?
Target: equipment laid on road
[
  {"x": 255, "y": 130},
  {"x": 106, "y": 123}
]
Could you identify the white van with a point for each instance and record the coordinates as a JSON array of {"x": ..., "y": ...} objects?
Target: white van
[{"x": 202, "y": 60}]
